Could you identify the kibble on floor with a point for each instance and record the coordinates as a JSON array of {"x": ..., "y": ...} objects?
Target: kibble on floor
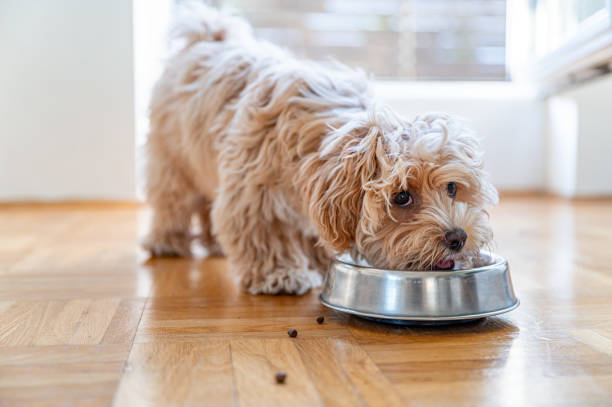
[
  {"x": 280, "y": 377},
  {"x": 292, "y": 333},
  {"x": 320, "y": 319}
]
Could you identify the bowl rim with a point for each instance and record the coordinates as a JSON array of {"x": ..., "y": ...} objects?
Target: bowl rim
[{"x": 498, "y": 261}]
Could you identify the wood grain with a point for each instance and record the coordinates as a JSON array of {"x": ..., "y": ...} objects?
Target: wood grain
[
  {"x": 350, "y": 371},
  {"x": 177, "y": 374},
  {"x": 256, "y": 362},
  {"x": 86, "y": 319}
]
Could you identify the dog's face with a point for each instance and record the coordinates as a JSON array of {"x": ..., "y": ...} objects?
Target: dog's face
[{"x": 405, "y": 196}]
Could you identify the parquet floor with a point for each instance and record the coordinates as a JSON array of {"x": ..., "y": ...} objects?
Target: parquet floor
[{"x": 87, "y": 320}]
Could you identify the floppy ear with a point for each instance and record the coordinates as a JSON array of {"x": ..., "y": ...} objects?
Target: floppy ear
[{"x": 333, "y": 183}]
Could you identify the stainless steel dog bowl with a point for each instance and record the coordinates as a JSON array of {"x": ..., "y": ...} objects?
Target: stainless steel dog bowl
[{"x": 426, "y": 296}]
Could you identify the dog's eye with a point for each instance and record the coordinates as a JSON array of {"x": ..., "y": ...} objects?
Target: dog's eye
[
  {"x": 403, "y": 199},
  {"x": 451, "y": 188}
]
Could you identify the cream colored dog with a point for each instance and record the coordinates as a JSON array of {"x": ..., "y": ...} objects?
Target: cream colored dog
[{"x": 286, "y": 162}]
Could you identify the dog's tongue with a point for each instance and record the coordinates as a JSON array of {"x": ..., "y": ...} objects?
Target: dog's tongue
[{"x": 445, "y": 264}]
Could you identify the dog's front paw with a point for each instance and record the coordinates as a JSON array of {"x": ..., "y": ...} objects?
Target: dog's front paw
[
  {"x": 284, "y": 281},
  {"x": 168, "y": 244}
]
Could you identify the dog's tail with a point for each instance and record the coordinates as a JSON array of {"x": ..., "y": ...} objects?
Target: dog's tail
[{"x": 196, "y": 22}]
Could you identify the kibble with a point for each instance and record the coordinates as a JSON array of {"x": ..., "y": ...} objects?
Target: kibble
[
  {"x": 320, "y": 320},
  {"x": 280, "y": 377},
  {"x": 292, "y": 333}
]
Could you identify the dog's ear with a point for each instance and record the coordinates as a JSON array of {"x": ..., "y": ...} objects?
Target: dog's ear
[
  {"x": 333, "y": 182},
  {"x": 464, "y": 147},
  {"x": 488, "y": 192}
]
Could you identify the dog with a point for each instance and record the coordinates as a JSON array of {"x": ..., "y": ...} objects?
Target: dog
[{"x": 286, "y": 162}]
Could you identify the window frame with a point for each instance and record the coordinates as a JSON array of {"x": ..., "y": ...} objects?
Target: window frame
[{"x": 589, "y": 48}]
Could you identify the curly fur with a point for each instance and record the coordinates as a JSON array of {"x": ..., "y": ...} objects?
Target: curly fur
[{"x": 286, "y": 162}]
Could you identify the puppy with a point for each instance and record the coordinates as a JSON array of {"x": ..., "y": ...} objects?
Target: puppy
[{"x": 286, "y": 162}]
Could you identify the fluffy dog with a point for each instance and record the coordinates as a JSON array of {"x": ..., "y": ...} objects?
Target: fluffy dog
[{"x": 286, "y": 162}]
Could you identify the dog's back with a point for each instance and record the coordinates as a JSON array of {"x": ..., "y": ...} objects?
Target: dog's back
[
  {"x": 234, "y": 122},
  {"x": 206, "y": 72},
  {"x": 220, "y": 71}
]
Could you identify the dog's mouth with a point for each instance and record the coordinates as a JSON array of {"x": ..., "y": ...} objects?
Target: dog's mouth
[{"x": 446, "y": 263}]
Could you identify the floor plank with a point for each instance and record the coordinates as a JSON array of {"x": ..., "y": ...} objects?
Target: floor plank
[
  {"x": 256, "y": 362},
  {"x": 177, "y": 374},
  {"x": 364, "y": 376}
]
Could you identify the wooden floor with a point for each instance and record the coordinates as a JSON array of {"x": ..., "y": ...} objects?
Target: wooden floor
[{"x": 87, "y": 320}]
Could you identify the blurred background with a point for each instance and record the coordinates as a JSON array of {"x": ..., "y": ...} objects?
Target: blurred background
[
  {"x": 407, "y": 39},
  {"x": 530, "y": 76}
]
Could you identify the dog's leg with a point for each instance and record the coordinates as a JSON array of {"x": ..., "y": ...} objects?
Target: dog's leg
[
  {"x": 272, "y": 256},
  {"x": 206, "y": 236},
  {"x": 278, "y": 266},
  {"x": 171, "y": 197}
]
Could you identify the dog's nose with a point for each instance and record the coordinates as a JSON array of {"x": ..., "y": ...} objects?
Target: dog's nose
[{"x": 455, "y": 239}]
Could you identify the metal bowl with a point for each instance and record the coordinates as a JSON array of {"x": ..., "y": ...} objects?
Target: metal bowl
[{"x": 419, "y": 296}]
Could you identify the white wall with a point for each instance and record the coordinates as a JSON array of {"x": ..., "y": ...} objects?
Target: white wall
[
  {"x": 585, "y": 139},
  {"x": 562, "y": 143},
  {"x": 151, "y": 24},
  {"x": 507, "y": 117},
  {"x": 66, "y": 100}
]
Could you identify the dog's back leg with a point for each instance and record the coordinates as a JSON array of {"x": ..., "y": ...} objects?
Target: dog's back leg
[
  {"x": 206, "y": 236},
  {"x": 172, "y": 197}
]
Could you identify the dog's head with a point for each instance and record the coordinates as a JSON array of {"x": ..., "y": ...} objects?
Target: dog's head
[{"x": 402, "y": 195}]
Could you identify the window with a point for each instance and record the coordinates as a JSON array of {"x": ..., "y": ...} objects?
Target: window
[
  {"x": 559, "y": 21},
  {"x": 572, "y": 39},
  {"x": 405, "y": 39}
]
